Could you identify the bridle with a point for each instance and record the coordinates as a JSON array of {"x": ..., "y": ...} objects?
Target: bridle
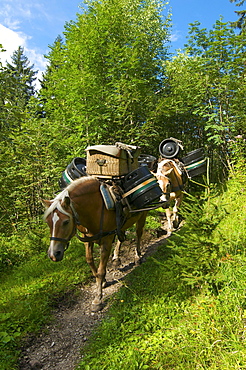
[
  {"x": 160, "y": 174},
  {"x": 173, "y": 188},
  {"x": 76, "y": 222},
  {"x": 62, "y": 240}
]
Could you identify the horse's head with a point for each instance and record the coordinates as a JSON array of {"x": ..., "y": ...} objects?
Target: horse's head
[
  {"x": 163, "y": 178},
  {"x": 60, "y": 219}
]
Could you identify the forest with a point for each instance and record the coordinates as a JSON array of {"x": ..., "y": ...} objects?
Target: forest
[{"x": 111, "y": 78}]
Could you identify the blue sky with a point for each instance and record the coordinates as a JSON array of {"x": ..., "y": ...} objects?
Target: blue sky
[
  {"x": 206, "y": 12},
  {"x": 35, "y": 24}
]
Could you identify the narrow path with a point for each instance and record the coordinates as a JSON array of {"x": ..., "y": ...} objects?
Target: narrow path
[{"x": 59, "y": 345}]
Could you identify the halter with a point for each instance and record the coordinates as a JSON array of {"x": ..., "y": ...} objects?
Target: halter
[
  {"x": 97, "y": 236},
  {"x": 162, "y": 175},
  {"x": 59, "y": 239},
  {"x": 76, "y": 221},
  {"x": 174, "y": 188}
]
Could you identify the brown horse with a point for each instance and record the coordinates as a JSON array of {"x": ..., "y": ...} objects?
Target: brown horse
[
  {"x": 81, "y": 203},
  {"x": 170, "y": 179}
]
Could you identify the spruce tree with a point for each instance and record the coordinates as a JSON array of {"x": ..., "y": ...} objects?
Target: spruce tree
[
  {"x": 240, "y": 23},
  {"x": 23, "y": 76}
]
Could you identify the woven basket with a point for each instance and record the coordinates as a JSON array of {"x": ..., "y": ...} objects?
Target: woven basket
[{"x": 111, "y": 160}]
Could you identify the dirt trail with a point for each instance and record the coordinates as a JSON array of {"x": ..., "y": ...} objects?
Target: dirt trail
[{"x": 60, "y": 343}]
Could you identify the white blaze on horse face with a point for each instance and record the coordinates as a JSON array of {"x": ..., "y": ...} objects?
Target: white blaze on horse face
[
  {"x": 165, "y": 187},
  {"x": 163, "y": 197},
  {"x": 55, "y": 218}
]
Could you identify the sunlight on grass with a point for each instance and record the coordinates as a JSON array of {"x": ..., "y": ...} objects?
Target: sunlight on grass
[
  {"x": 185, "y": 308},
  {"x": 27, "y": 292}
]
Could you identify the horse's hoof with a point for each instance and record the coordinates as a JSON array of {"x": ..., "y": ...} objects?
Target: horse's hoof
[
  {"x": 116, "y": 263},
  {"x": 104, "y": 284},
  {"x": 175, "y": 224},
  {"x": 138, "y": 261},
  {"x": 96, "y": 307}
]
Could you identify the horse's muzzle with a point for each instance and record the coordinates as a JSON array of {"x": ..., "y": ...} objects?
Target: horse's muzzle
[
  {"x": 57, "y": 256},
  {"x": 56, "y": 253}
]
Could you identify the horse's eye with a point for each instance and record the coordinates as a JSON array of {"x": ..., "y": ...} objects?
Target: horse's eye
[{"x": 65, "y": 223}]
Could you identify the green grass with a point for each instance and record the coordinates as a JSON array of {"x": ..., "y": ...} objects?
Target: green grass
[
  {"x": 185, "y": 308},
  {"x": 31, "y": 285},
  {"x": 29, "y": 290},
  {"x": 161, "y": 327}
]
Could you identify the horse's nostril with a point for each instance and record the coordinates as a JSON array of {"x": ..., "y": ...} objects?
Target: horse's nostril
[{"x": 58, "y": 254}]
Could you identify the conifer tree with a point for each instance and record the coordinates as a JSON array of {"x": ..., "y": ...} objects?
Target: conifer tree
[
  {"x": 16, "y": 160},
  {"x": 23, "y": 76},
  {"x": 241, "y": 22},
  {"x": 9, "y": 112}
]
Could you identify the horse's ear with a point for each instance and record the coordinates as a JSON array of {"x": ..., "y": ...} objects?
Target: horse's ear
[
  {"x": 46, "y": 203},
  {"x": 66, "y": 202}
]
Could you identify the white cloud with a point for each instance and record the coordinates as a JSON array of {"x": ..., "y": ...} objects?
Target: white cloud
[
  {"x": 39, "y": 63},
  {"x": 15, "y": 13},
  {"x": 174, "y": 36},
  {"x": 11, "y": 40},
  {"x": 12, "y": 10}
]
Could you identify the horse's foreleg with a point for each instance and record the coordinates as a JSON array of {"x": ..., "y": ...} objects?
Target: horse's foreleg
[
  {"x": 178, "y": 201},
  {"x": 116, "y": 255},
  {"x": 169, "y": 221},
  {"x": 139, "y": 231},
  {"x": 89, "y": 257},
  {"x": 97, "y": 304},
  {"x": 175, "y": 214}
]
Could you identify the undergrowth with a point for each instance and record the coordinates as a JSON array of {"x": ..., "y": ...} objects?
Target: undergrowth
[
  {"x": 29, "y": 289},
  {"x": 185, "y": 308},
  {"x": 31, "y": 285}
]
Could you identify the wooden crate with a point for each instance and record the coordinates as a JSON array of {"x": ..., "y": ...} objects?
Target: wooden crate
[{"x": 111, "y": 160}]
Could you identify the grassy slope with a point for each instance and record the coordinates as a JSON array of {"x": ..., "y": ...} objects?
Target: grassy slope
[
  {"x": 28, "y": 291},
  {"x": 185, "y": 308}
]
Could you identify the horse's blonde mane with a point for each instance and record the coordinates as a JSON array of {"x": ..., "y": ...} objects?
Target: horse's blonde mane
[
  {"x": 78, "y": 181},
  {"x": 159, "y": 167},
  {"x": 56, "y": 202},
  {"x": 171, "y": 163}
]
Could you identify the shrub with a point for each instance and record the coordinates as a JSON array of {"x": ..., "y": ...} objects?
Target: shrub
[{"x": 17, "y": 249}]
